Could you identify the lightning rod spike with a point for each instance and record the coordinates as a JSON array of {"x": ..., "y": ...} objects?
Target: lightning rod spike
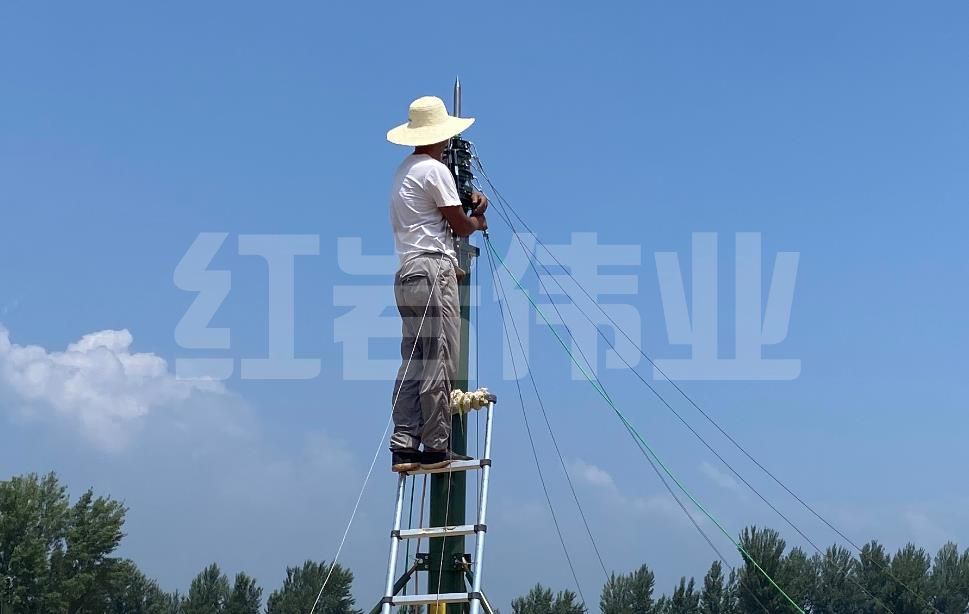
[{"x": 457, "y": 97}]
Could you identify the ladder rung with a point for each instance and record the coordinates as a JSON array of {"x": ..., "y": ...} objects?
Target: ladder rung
[
  {"x": 431, "y": 532},
  {"x": 424, "y": 599},
  {"x": 469, "y": 465}
]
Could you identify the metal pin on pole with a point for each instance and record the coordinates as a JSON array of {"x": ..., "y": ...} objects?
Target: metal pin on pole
[{"x": 457, "y": 97}]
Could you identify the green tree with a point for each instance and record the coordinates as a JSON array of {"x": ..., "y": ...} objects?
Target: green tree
[
  {"x": 731, "y": 596},
  {"x": 629, "y": 593},
  {"x": 763, "y": 552},
  {"x": 714, "y": 597},
  {"x": 873, "y": 573},
  {"x": 302, "y": 585},
  {"x": 80, "y": 564},
  {"x": 538, "y": 600},
  {"x": 567, "y": 602},
  {"x": 55, "y": 557},
  {"x": 245, "y": 598},
  {"x": 950, "y": 580},
  {"x": 133, "y": 593},
  {"x": 797, "y": 577},
  {"x": 837, "y": 587},
  {"x": 766, "y": 547},
  {"x": 208, "y": 593},
  {"x": 174, "y": 603},
  {"x": 910, "y": 570},
  {"x": 541, "y": 600},
  {"x": 33, "y": 517},
  {"x": 685, "y": 599}
]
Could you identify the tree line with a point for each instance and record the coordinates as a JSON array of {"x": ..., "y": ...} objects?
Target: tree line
[
  {"x": 836, "y": 581},
  {"x": 58, "y": 557}
]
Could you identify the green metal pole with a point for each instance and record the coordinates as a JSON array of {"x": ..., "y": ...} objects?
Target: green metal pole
[
  {"x": 448, "y": 505},
  {"x": 449, "y": 490}
]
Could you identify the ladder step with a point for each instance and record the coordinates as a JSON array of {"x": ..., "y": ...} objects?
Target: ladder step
[
  {"x": 431, "y": 532},
  {"x": 468, "y": 465},
  {"x": 425, "y": 599}
]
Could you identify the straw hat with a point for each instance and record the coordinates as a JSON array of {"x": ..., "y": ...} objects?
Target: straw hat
[{"x": 428, "y": 123}]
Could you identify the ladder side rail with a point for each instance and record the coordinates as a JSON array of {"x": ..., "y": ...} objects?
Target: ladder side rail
[
  {"x": 394, "y": 545},
  {"x": 482, "y": 515}
]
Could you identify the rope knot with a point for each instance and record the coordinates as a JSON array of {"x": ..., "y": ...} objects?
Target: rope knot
[{"x": 464, "y": 402}]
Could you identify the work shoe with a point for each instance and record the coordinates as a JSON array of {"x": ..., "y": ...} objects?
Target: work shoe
[
  {"x": 404, "y": 460},
  {"x": 435, "y": 459}
]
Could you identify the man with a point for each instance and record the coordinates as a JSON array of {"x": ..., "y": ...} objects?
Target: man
[{"x": 425, "y": 211}]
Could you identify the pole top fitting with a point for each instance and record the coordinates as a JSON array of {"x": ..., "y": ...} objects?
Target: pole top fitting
[{"x": 457, "y": 97}]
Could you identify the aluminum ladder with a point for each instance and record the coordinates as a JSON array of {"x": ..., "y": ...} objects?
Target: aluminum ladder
[{"x": 475, "y": 598}]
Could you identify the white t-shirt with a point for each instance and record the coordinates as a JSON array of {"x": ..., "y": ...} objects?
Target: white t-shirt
[{"x": 422, "y": 185}]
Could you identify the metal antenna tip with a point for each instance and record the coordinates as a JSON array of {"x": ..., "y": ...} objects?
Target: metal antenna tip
[{"x": 457, "y": 97}]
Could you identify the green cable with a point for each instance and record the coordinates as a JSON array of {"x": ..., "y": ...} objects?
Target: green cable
[{"x": 636, "y": 434}]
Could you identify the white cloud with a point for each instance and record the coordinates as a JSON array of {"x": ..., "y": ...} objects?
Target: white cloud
[
  {"x": 593, "y": 475},
  {"x": 96, "y": 385},
  {"x": 190, "y": 459},
  {"x": 659, "y": 504},
  {"x": 720, "y": 478}
]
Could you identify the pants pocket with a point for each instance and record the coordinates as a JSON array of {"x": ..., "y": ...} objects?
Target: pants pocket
[{"x": 414, "y": 289}]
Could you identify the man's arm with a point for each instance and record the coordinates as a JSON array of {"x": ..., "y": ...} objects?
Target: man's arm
[
  {"x": 440, "y": 185},
  {"x": 461, "y": 223}
]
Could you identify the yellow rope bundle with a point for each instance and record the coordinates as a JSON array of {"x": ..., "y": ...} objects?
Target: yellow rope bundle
[{"x": 463, "y": 402}]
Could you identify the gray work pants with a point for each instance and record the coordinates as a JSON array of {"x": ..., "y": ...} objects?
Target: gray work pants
[{"x": 423, "y": 411}]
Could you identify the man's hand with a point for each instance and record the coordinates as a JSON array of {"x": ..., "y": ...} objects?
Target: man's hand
[
  {"x": 479, "y": 219},
  {"x": 480, "y": 202}
]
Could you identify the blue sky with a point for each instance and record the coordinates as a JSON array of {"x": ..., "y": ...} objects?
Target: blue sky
[{"x": 836, "y": 131}]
